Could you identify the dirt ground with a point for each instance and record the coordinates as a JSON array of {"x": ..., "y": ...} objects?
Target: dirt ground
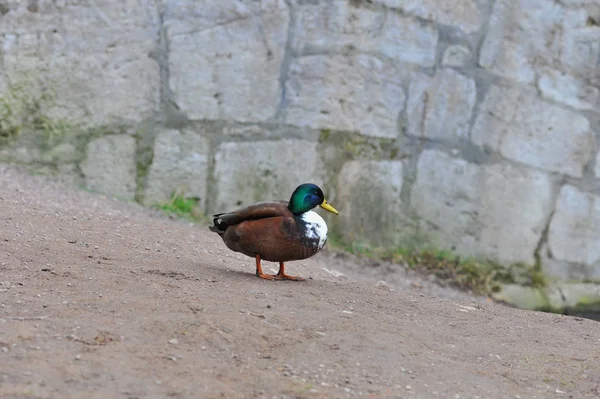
[{"x": 105, "y": 299}]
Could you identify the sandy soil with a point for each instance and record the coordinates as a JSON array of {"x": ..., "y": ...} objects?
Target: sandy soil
[{"x": 104, "y": 299}]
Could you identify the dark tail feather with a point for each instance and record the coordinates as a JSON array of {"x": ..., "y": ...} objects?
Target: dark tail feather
[{"x": 219, "y": 226}]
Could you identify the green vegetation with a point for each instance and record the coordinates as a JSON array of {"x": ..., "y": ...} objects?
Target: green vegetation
[
  {"x": 21, "y": 110},
  {"x": 482, "y": 277},
  {"x": 144, "y": 154},
  {"x": 356, "y": 145},
  {"x": 324, "y": 135},
  {"x": 585, "y": 307},
  {"x": 184, "y": 207},
  {"x": 10, "y": 124},
  {"x": 51, "y": 131}
]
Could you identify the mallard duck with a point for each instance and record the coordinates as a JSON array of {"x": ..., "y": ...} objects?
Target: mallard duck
[{"x": 277, "y": 231}]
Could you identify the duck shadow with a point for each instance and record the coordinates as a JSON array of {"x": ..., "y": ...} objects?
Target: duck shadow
[{"x": 242, "y": 275}]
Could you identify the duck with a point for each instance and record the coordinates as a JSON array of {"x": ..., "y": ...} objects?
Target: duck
[{"x": 277, "y": 231}]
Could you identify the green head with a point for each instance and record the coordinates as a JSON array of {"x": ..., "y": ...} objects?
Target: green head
[{"x": 307, "y": 196}]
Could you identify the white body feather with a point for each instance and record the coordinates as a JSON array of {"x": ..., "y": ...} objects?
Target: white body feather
[{"x": 315, "y": 227}]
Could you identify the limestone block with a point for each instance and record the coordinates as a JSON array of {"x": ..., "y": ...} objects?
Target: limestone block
[
  {"x": 360, "y": 93},
  {"x": 559, "y": 295},
  {"x": 20, "y": 154},
  {"x": 440, "y": 107},
  {"x": 509, "y": 49},
  {"x": 456, "y": 56},
  {"x": 446, "y": 195},
  {"x": 368, "y": 198},
  {"x": 597, "y": 167},
  {"x": 335, "y": 25},
  {"x": 187, "y": 16},
  {"x": 462, "y": 14},
  {"x": 338, "y": 25},
  {"x": 496, "y": 211},
  {"x": 180, "y": 163},
  {"x": 574, "y": 234},
  {"x": 69, "y": 173},
  {"x": 566, "y": 89},
  {"x": 94, "y": 69},
  {"x": 581, "y": 50},
  {"x": 567, "y": 294},
  {"x": 63, "y": 153},
  {"x": 246, "y": 172},
  {"x": 522, "y": 297},
  {"x": 523, "y": 128},
  {"x": 564, "y": 270},
  {"x": 407, "y": 40},
  {"x": 225, "y": 57},
  {"x": 555, "y": 41},
  {"x": 110, "y": 166}
]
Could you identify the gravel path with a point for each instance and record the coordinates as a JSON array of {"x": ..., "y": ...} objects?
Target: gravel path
[{"x": 106, "y": 299}]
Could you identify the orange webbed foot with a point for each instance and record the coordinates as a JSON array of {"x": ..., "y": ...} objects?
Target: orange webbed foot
[
  {"x": 267, "y": 276},
  {"x": 282, "y": 276}
]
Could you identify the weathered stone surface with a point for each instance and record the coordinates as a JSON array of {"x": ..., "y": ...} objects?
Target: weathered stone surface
[
  {"x": 565, "y": 89},
  {"x": 446, "y": 195},
  {"x": 555, "y": 41},
  {"x": 180, "y": 163},
  {"x": 580, "y": 53},
  {"x": 69, "y": 173},
  {"x": 20, "y": 155},
  {"x": 456, "y": 56},
  {"x": 523, "y": 128},
  {"x": 337, "y": 26},
  {"x": 406, "y": 40},
  {"x": 246, "y": 172},
  {"x": 368, "y": 198},
  {"x": 568, "y": 295},
  {"x": 225, "y": 57},
  {"x": 94, "y": 69},
  {"x": 333, "y": 26},
  {"x": 522, "y": 297},
  {"x": 574, "y": 235},
  {"x": 463, "y": 14},
  {"x": 559, "y": 296},
  {"x": 110, "y": 166},
  {"x": 440, "y": 107},
  {"x": 508, "y": 49},
  {"x": 63, "y": 153},
  {"x": 597, "y": 167},
  {"x": 360, "y": 93},
  {"x": 497, "y": 211}
]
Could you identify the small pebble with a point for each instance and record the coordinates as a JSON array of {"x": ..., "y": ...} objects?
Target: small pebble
[
  {"x": 381, "y": 284},
  {"x": 174, "y": 341}
]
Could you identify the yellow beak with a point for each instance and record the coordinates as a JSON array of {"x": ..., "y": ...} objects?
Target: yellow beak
[{"x": 328, "y": 207}]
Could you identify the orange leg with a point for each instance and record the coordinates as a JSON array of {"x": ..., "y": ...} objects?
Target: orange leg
[
  {"x": 259, "y": 271},
  {"x": 281, "y": 274}
]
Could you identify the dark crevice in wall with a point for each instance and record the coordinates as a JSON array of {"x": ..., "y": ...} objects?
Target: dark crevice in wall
[
  {"x": 171, "y": 113},
  {"x": 287, "y": 59},
  {"x": 478, "y": 38},
  {"x": 537, "y": 254},
  {"x": 144, "y": 155},
  {"x": 211, "y": 186}
]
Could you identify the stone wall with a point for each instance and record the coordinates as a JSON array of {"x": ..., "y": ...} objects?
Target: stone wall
[{"x": 464, "y": 124}]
